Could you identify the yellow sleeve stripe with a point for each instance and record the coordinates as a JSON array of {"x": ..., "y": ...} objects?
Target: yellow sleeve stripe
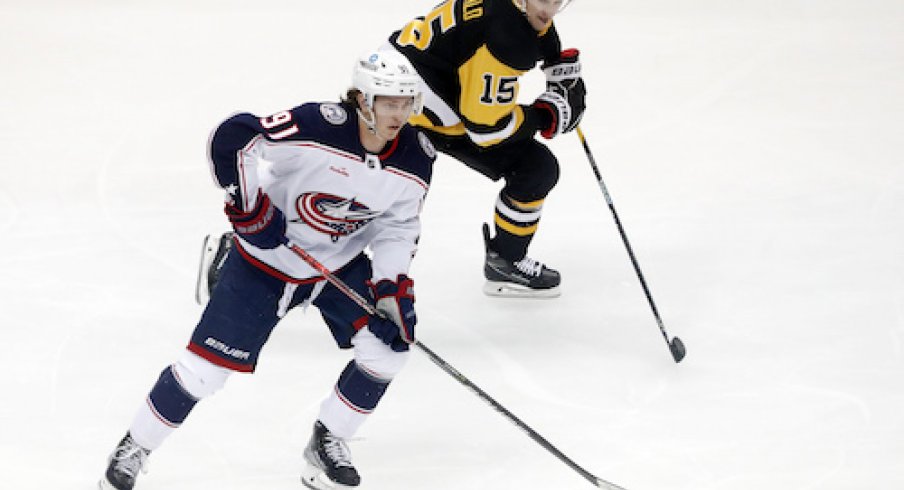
[
  {"x": 490, "y": 139},
  {"x": 422, "y": 121},
  {"x": 481, "y": 139}
]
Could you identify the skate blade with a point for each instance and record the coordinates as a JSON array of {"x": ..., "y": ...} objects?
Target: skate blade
[
  {"x": 208, "y": 252},
  {"x": 315, "y": 479},
  {"x": 511, "y": 290},
  {"x": 210, "y": 246}
]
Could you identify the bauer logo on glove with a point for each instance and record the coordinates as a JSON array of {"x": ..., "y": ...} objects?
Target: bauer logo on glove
[
  {"x": 567, "y": 67},
  {"x": 563, "y": 101}
]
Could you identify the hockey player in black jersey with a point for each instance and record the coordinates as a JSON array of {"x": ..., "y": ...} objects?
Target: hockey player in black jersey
[
  {"x": 470, "y": 54},
  {"x": 333, "y": 179}
]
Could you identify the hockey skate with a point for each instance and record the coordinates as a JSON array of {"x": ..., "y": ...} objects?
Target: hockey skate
[
  {"x": 213, "y": 255},
  {"x": 126, "y": 461},
  {"x": 525, "y": 278},
  {"x": 329, "y": 463}
]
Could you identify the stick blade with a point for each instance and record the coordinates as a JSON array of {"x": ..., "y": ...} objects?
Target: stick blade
[
  {"x": 677, "y": 348},
  {"x": 600, "y": 483}
]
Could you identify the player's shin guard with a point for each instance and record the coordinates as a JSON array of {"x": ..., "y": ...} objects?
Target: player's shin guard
[
  {"x": 166, "y": 407},
  {"x": 509, "y": 272},
  {"x": 354, "y": 397},
  {"x": 515, "y": 223}
]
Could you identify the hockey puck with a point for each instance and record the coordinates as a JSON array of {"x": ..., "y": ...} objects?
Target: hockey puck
[{"x": 677, "y": 348}]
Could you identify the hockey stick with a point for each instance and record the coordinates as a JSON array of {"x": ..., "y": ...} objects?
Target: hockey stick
[
  {"x": 370, "y": 309},
  {"x": 676, "y": 346}
]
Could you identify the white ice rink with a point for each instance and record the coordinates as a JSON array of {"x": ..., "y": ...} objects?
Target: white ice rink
[{"x": 755, "y": 154}]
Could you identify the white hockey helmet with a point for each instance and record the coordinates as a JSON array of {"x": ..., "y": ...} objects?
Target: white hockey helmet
[{"x": 386, "y": 72}]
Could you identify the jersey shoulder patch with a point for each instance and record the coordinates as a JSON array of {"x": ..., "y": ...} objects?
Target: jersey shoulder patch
[
  {"x": 321, "y": 114},
  {"x": 333, "y": 113},
  {"x": 414, "y": 154},
  {"x": 426, "y": 145},
  {"x": 327, "y": 123}
]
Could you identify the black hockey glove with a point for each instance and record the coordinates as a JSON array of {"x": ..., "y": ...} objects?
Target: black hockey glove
[
  {"x": 395, "y": 299},
  {"x": 264, "y": 226},
  {"x": 565, "y": 94}
]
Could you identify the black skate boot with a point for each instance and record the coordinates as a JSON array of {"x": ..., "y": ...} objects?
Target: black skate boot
[
  {"x": 328, "y": 455},
  {"x": 213, "y": 255},
  {"x": 126, "y": 461},
  {"x": 525, "y": 278}
]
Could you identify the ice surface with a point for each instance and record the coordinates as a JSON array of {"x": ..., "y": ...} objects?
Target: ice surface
[{"x": 754, "y": 153}]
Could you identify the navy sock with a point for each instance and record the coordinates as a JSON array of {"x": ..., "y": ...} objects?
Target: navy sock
[
  {"x": 170, "y": 400},
  {"x": 360, "y": 388}
]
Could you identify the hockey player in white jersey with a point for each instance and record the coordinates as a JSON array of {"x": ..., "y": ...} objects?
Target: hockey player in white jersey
[{"x": 334, "y": 179}]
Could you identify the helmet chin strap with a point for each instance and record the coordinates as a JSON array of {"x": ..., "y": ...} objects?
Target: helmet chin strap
[{"x": 371, "y": 122}]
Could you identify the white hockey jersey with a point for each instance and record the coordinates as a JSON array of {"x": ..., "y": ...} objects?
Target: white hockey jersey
[{"x": 338, "y": 198}]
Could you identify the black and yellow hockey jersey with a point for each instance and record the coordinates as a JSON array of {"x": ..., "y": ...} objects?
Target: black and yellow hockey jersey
[{"x": 471, "y": 54}]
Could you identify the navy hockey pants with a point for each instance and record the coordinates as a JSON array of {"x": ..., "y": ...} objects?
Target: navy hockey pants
[{"x": 244, "y": 305}]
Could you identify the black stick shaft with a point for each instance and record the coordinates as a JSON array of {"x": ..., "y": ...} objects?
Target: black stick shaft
[
  {"x": 445, "y": 366},
  {"x": 624, "y": 236}
]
